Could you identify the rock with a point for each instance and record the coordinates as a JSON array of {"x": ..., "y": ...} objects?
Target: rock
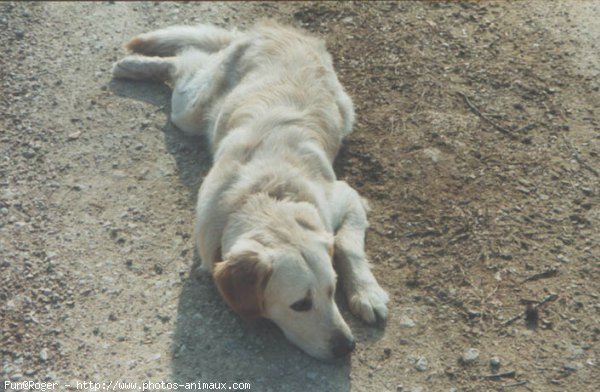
[
  {"x": 563, "y": 259},
  {"x": 73, "y": 136},
  {"x": 416, "y": 389},
  {"x": 50, "y": 376},
  {"x": 387, "y": 351},
  {"x": 577, "y": 352},
  {"x": 470, "y": 356},
  {"x": 587, "y": 191},
  {"x": 311, "y": 375},
  {"x": 155, "y": 357},
  {"x": 433, "y": 154},
  {"x": 572, "y": 367},
  {"x": 406, "y": 322},
  {"x": 421, "y": 364},
  {"x": 28, "y": 154},
  {"x": 44, "y": 355},
  {"x": 16, "y": 376},
  {"x": 19, "y": 34},
  {"x": 495, "y": 362}
]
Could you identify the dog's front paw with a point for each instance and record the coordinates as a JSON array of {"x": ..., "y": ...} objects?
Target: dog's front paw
[{"x": 368, "y": 301}]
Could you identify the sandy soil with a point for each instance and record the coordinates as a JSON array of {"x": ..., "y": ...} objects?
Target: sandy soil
[{"x": 477, "y": 144}]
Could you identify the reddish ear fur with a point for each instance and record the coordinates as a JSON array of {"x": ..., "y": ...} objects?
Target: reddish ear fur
[{"x": 241, "y": 280}]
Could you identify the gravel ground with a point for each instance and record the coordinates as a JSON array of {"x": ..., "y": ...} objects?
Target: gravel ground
[{"x": 477, "y": 144}]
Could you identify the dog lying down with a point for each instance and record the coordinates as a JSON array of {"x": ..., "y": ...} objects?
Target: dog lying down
[{"x": 271, "y": 214}]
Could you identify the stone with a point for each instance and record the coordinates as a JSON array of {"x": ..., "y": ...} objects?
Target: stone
[
  {"x": 470, "y": 356},
  {"x": 406, "y": 322},
  {"x": 495, "y": 362},
  {"x": 421, "y": 364}
]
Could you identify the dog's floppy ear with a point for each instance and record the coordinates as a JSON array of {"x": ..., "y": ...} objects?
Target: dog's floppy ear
[{"x": 241, "y": 280}]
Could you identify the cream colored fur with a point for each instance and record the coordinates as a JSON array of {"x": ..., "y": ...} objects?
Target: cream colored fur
[{"x": 270, "y": 212}]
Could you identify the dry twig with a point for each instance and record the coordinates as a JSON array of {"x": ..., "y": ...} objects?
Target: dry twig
[
  {"x": 579, "y": 159},
  {"x": 496, "y": 376},
  {"x": 475, "y": 110},
  {"x": 515, "y": 384},
  {"x": 549, "y": 273}
]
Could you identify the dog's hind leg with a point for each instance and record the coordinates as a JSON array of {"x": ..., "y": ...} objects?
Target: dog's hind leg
[
  {"x": 201, "y": 80},
  {"x": 172, "y": 40},
  {"x": 145, "y": 68}
]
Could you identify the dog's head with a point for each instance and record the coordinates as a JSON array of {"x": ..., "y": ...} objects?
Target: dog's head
[{"x": 279, "y": 266}]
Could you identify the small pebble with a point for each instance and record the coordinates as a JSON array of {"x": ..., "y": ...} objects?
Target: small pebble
[
  {"x": 19, "y": 34},
  {"x": 470, "y": 355},
  {"x": 74, "y": 135},
  {"x": 421, "y": 364},
  {"x": 50, "y": 376},
  {"x": 577, "y": 352},
  {"x": 406, "y": 322},
  {"x": 28, "y": 154},
  {"x": 563, "y": 259},
  {"x": 44, "y": 355},
  {"x": 572, "y": 367},
  {"x": 495, "y": 362},
  {"x": 16, "y": 377},
  {"x": 587, "y": 191},
  {"x": 433, "y": 154}
]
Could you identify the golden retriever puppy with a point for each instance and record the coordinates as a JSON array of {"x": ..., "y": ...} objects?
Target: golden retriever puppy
[{"x": 271, "y": 214}]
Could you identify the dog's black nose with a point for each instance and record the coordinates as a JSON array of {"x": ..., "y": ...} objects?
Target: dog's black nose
[{"x": 341, "y": 345}]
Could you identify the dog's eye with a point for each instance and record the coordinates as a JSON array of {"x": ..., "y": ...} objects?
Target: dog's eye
[{"x": 303, "y": 305}]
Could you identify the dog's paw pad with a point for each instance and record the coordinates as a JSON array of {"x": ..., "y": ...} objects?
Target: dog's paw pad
[{"x": 369, "y": 302}]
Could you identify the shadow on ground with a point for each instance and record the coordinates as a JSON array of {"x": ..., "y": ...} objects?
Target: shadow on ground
[
  {"x": 190, "y": 152},
  {"x": 210, "y": 343}
]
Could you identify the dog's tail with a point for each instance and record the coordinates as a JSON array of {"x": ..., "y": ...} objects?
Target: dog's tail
[{"x": 172, "y": 40}]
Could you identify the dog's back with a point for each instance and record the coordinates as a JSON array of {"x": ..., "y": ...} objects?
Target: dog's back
[
  {"x": 256, "y": 80},
  {"x": 290, "y": 81}
]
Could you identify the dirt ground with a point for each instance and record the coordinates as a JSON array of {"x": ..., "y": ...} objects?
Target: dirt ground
[{"x": 477, "y": 144}]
